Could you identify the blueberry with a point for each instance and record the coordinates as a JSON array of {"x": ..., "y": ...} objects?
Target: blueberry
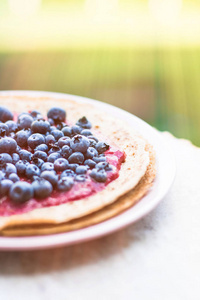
[
  {"x": 76, "y": 129},
  {"x": 79, "y": 143},
  {"x": 50, "y": 139},
  {"x": 91, "y": 152},
  {"x": 12, "y": 126},
  {"x": 40, "y": 126},
  {"x": 25, "y": 155},
  {"x": 63, "y": 141},
  {"x": 15, "y": 158},
  {"x": 86, "y": 132},
  {"x": 57, "y": 114},
  {"x": 52, "y": 128},
  {"x": 65, "y": 184},
  {"x": 66, "y": 151},
  {"x": 42, "y": 147},
  {"x": 81, "y": 169},
  {"x": 3, "y": 130},
  {"x": 13, "y": 177},
  {"x": 73, "y": 167},
  {"x": 21, "y": 137},
  {"x": 99, "y": 159},
  {"x": 51, "y": 122},
  {"x": 38, "y": 162},
  {"x": 5, "y": 158},
  {"x": 2, "y": 175},
  {"x": 42, "y": 188},
  {"x": 67, "y": 131},
  {"x": 7, "y": 145},
  {"x": 92, "y": 137},
  {"x": 32, "y": 170},
  {"x": 90, "y": 163},
  {"x": 67, "y": 173},
  {"x": 40, "y": 154},
  {"x": 35, "y": 139},
  {"x": 60, "y": 164},
  {"x": 92, "y": 142},
  {"x": 84, "y": 123},
  {"x": 5, "y": 114},
  {"x": 102, "y": 147},
  {"x": 80, "y": 178},
  {"x": 5, "y": 186},
  {"x": 35, "y": 114},
  {"x": 51, "y": 177},
  {"x": 21, "y": 192},
  {"x": 98, "y": 175},
  {"x": 53, "y": 156},
  {"x": 54, "y": 149},
  {"x": 47, "y": 166},
  {"x": 9, "y": 169},
  {"x": 21, "y": 167},
  {"x": 24, "y": 121},
  {"x": 61, "y": 125},
  {"x": 57, "y": 134},
  {"x": 103, "y": 165},
  {"x": 76, "y": 158},
  {"x": 18, "y": 149}
]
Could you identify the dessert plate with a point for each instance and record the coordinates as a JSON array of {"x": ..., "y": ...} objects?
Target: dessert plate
[{"x": 165, "y": 164}]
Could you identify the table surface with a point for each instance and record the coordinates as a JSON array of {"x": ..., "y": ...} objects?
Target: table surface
[{"x": 155, "y": 258}]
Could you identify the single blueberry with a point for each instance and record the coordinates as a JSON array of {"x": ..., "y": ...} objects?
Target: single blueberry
[
  {"x": 53, "y": 156},
  {"x": 7, "y": 145},
  {"x": 67, "y": 131},
  {"x": 9, "y": 169},
  {"x": 104, "y": 165},
  {"x": 76, "y": 129},
  {"x": 38, "y": 162},
  {"x": 79, "y": 143},
  {"x": 86, "y": 132},
  {"x": 12, "y": 126},
  {"x": 50, "y": 139},
  {"x": 25, "y": 155},
  {"x": 66, "y": 151},
  {"x": 63, "y": 141},
  {"x": 90, "y": 163},
  {"x": 98, "y": 175},
  {"x": 73, "y": 167},
  {"x": 32, "y": 170},
  {"x": 42, "y": 147},
  {"x": 54, "y": 149},
  {"x": 91, "y": 152},
  {"x": 21, "y": 192},
  {"x": 65, "y": 184},
  {"x": 4, "y": 130},
  {"x": 40, "y": 126},
  {"x": 76, "y": 158},
  {"x": 92, "y": 142},
  {"x": 80, "y": 178},
  {"x": 84, "y": 123},
  {"x": 35, "y": 139},
  {"x": 57, "y": 114},
  {"x": 67, "y": 173},
  {"x": 40, "y": 154},
  {"x": 13, "y": 177},
  {"x": 5, "y": 186},
  {"x": 15, "y": 158},
  {"x": 5, "y": 114},
  {"x": 81, "y": 169},
  {"x": 21, "y": 167},
  {"x": 51, "y": 176},
  {"x": 102, "y": 147},
  {"x": 57, "y": 134},
  {"x": 47, "y": 166},
  {"x": 42, "y": 188},
  {"x": 22, "y": 136},
  {"x": 5, "y": 158},
  {"x": 24, "y": 121},
  {"x": 60, "y": 164}
]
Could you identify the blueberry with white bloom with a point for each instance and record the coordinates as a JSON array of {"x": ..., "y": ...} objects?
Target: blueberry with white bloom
[
  {"x": 9, "y": 169},
  {"x": 57, "y": 134},
  {"x": 64, "y": 141},
  {"x": 42, "y": 147},
  {"x": 84, "y": 123},
  {"x": 7, "y": 145},
  {"x": 47, "y": 166},
  {"x": 35, "y": 139},
  {"x": 60, "y": 164},
  {"x": 5, "y": 114},
  {"x": 66, "y": 151},
  {"x": 40, "y": 126},
  {"x": 22, "y": 136},
  {"x": 40, "y": 154},
  {"x": 76, "y": 158},
  {"x": 42, "y": 188},
  {"x": 51, "y": 176},
  {"x": 32, "y": 170},
  {"x": 98, "y": 175},
  {"x": 13, "y": 177},
  {"x": 5, "y": 158},
  {"x": 65, "y": 184},
  {"x": 24, "y": 121},
  {"x": 79, "y": 143},
  {"x": 21, "y": 192},
  {"x": 3, "y": 130},
  {"x": 102, "y": 147},
  {"x": 25, "y": 155},
  {"x": 53, "y": 156},
  {"x": 57, "y": 114},
  {"x": 5, "y": 186},
  {"x": 67, "y": 131}
]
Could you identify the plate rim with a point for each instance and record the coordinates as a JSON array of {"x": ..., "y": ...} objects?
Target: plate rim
[{"x": 103, "y": 228}]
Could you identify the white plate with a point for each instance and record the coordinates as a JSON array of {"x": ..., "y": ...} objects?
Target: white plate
[{"x": 165, "y": 164}]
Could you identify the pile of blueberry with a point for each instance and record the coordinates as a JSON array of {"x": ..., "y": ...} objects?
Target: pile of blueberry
[{"x": 38, "y": 156}]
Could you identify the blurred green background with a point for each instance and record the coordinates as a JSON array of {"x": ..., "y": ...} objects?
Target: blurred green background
[{"x": 142, "y": 56}]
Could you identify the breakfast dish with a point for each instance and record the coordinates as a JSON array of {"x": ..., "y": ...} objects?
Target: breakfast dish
[{"x": 66, "y": 165}]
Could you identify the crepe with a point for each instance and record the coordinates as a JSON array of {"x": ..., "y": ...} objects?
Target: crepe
[{"x": 139, "y": 162}]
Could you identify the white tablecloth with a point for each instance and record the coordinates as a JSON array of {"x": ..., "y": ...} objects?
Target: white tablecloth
[{"x": 156, "y": 258}]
